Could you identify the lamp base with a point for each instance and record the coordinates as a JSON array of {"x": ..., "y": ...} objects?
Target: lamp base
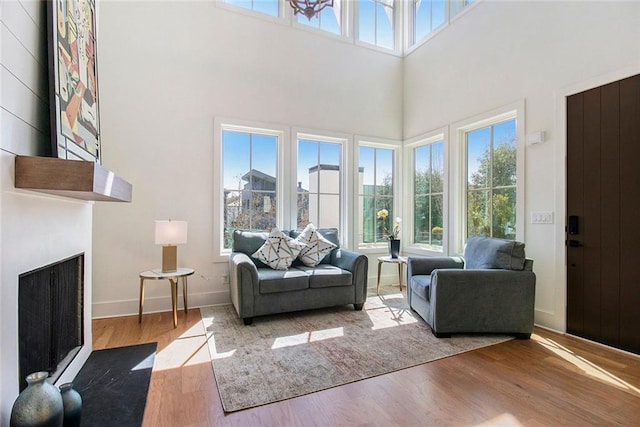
[{"x": 169, "y": 258}]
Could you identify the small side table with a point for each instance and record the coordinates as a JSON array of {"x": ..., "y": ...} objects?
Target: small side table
[
  {"x": 172, "y": 277},
  {"x": 400, "y": 261}
]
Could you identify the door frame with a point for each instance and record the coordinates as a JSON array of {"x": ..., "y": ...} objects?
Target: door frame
[{"x": 558, "y": 317}]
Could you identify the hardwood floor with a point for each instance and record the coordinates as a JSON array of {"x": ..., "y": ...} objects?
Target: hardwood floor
[{"x": 550, "y": 380}]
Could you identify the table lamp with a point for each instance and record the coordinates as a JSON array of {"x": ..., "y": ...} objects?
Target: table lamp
[{"x": 169, "y": 234}]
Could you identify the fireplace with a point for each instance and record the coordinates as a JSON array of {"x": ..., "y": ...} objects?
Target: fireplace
[{"x": 50, "y": 317}]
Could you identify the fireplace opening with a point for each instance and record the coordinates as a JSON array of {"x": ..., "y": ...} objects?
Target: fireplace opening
[{"x": 50, "y": 317}]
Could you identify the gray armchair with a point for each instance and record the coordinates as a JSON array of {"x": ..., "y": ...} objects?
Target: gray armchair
[{"x": 491, "y": 290}]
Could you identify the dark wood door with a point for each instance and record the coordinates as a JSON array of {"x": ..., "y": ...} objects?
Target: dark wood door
[{"x": 603, "y": 214}]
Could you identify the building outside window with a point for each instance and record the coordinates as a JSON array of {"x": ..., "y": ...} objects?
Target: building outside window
[
  {"x": 376, "y": 20},
  {"x": 375, "y": 184},
  {"x": 491, "y": 180},
  {"x": 249, "y": 180},
  {"x": 319, "y": 183},
  {"x": 428, "y": 197}
]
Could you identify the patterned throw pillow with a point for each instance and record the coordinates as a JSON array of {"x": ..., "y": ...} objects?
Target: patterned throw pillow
[
  {"x": 279, "y": 250},
  {"x": 316, "y": 247}
]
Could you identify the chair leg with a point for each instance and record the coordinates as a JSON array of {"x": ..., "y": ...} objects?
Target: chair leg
[
  {"x": 358, "y": 306},
  {"x": 523, "y": 336},
  {"x": 440, "y": 334},
  {"x": 247, "y": 320}
]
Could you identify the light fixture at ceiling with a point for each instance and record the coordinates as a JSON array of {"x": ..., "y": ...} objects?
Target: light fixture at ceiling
[{"x": 309, "y": 8}]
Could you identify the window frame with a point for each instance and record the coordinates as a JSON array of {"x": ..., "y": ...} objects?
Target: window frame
[
  {"x": 346, "y": 141},
  {"x": 452, "y": 12},
  {"x": 396, "y": 146},
  {"x": 254, "y": 13},
  {"x": 512, "y": 111},
  {"x": 428, "y": 138},
  {"x": 398, "y": 8},
  {"x": 220, "y": 125},
  {"x": 345, "y": 24}
]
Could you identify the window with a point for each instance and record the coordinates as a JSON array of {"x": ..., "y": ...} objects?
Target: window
[
  {"x": 319, "y": 183},
  {"x": 491, "y": 153},
  {"x": 329, "y": 19},
  {"x": 375, "y": 184},
  {"x": 268, "y": 7},
  {"x": 376, "y": 22},
  {"x": 428, "y": 195},
  {"x": 426, "y": 16},
  {"x": 249, "y": 180}
]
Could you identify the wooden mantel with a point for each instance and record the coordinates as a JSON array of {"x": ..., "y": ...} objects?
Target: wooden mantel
[{"x": 77, "y": 179}]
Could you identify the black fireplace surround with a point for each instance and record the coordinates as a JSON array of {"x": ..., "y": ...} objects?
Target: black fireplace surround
[{"x": 50, "y": 317}]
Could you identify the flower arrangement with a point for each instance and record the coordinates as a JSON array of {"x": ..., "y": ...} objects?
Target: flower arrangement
[{"x": 383, "y": 214}]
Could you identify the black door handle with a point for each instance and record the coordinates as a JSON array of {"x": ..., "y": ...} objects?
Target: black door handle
[{"x": 575, "y": 243}]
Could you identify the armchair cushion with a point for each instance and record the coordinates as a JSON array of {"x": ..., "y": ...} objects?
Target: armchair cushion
[{"x": 492, "y": 253}]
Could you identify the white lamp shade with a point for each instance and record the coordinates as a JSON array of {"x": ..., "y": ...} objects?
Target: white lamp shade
[{"x": 171, "y": 232}]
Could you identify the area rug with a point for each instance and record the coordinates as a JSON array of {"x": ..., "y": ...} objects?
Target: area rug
[
  {"x": 113, "y": 384},
  {"x": 283, "y": 356}
]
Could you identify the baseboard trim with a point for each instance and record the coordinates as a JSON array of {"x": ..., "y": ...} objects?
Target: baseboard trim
[{"x": 107, "y": 309}]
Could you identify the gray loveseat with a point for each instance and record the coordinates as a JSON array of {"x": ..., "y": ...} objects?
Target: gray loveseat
[
  {"x": 491, "y": 290},
  {"x": 257, "y": 290}
]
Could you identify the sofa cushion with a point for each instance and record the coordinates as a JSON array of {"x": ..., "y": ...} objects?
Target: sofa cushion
[
  {"x": 420, "y": 286},
  {"x": 490, "y": 252},
  {"x": 279, "y": 250},
  {"x": 327, "y": 276},
  {"x": 331, "y": 234},
  {"x": 316, "y": 247},
  {"x": 272, "y": 281},
  {"x": 248, "y": 242}
]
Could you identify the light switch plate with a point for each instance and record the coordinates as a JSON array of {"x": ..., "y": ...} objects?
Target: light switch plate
[{"x": 541, "y": 217}]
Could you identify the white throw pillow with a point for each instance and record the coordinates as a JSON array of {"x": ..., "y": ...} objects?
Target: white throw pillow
[
  {"x": 316, "y": 247},
  {"x": 279, "y": 250}
]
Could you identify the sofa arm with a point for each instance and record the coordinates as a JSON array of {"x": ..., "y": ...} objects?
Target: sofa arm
[
  {"x": 482, "y": 300},
  {"x": 243, "y": 279},
  {"x": 426, "y": 265},
  {"x": 358, "y": 265}
]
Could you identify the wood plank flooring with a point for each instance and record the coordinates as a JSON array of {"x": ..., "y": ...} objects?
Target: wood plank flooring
[{"x": 550, "y": 380}]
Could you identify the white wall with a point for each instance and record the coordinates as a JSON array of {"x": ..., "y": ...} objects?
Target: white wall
[
  {"x": 35, "y": 230},
  {"x": 166, "y": 70},
  {"x": 503, "y": 52}
]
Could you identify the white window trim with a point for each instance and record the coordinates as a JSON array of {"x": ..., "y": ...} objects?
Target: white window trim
[
  {"x": 280, "y": 19},
  {"x": 373, "y": 142},
  {"x": 398, "y": 9},
  {"x": 516, "y": 111},
  {"x": 282, "y": 134},
  {"x": 441, "y": 134},
  {"x": 346, "y": 184},
  {"x": 411, "y": 45},
  {"x": 345, "y": 30}
]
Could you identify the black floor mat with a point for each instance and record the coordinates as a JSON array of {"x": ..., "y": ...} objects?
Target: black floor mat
[{"x": 114, "y": 383}]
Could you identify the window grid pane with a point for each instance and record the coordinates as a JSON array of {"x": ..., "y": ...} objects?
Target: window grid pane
[
  {"x": 428, "y": 179},
  {"x": 249, "y": 179},
  {"x": 375, "y": 193},
  {"x": 319, "y": 184},
  {"x": 376, "y": 23},
  {"x": 491, "y": 180}
]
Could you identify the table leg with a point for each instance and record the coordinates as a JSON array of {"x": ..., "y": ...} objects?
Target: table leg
[
  {"x": 379, "y": 270},
  {"x": 140, "y": 304},
  {"x": 174, "y": 301},
  {"x": 184, "y": 293},
  {"x": 400, "y": 275}
]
